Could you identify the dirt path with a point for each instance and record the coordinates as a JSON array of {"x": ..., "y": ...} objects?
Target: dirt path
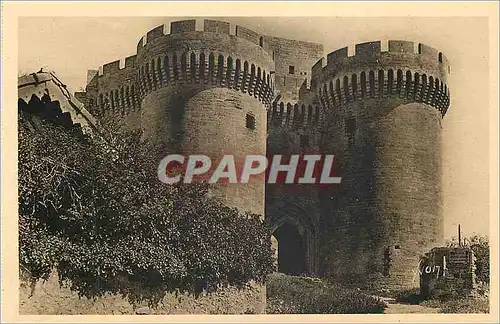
[{"x": 395, "y": 307}]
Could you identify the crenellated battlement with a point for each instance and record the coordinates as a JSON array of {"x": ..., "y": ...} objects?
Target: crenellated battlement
[
  {"x": 121, "y": 100},
  {"x": 178, "y": 53},
  {"x": 116, "y": 89},
  {"x": 403, "y": 69},
  {"x": 118, "y": 65},
  {"x": 209, "y": 86},
  {"x": 209, "y": 69},
  {"x": 211, "y": 57},
  {"x": 44, "y": 89},
  {"x": 111, "y": 67},
  {"x": 208, "y": 26},
  {"x": 376, "y": 84},
  {"x": 392, "y": 53},
  {"x": 372, "y": 50},
  {"x": 294, "y": 115}
]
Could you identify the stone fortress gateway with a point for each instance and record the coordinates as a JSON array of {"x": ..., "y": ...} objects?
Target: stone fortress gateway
[{"x": 379, "y": 111}]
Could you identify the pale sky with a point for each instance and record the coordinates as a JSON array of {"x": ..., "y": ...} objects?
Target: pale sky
[{"x": 72, "y": 45}]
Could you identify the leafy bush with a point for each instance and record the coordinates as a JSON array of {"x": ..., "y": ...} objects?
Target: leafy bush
[
  {"x": 108, "y": 225},
  {"x": 460, "y": 306},
  {"x": 302, "y": 295},
  {"x": 409, "y": 296}
]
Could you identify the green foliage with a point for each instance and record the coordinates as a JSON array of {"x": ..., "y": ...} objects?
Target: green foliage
[
  {"x": 480, "y": 245},
  {"x": 409, "y": 296},
  {"x": 460, "y": 306},
  {"x": 107, "y": 224},
  {"x": 302, "y": 295}
]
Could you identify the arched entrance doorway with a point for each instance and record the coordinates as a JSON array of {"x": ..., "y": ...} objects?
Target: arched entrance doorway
[
  {"x": 291, "y": 250},
  {"x": 295, "y": 230}
]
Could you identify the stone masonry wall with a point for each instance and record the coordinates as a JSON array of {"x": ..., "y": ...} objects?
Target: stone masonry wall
[
  {"x": 210, "y": 122},
  {"x": 49, "y": 298},
  {"x": 378, "y": 111},
  {"x": 383, "y": 115},
  {"x": 294, "y": 60}
]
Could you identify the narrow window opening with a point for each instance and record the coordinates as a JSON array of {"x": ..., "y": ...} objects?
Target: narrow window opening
[
  {"x": 192, "y": 65},
  {"x": 350, "y": 129},
  {"x": 354, "y": 79},
  {"x": 238, "y": 71},
  {"x": 220, "y": 66},
  {"x": 337, "y": 89},
  {"x": 350, "y": 126},
  {"x": 229, "y": 69},
  {"x": 363, "y": 84},
  {"x": 380, "y": 83},
  {"x": 202, "y": 66},
  {"x": 261, "y": 41},
  {"x": 399, "y": 81},
  {"x": 183, "y": 64},
  {"x": 371, "y": 80},
  {"x": 346, "y": 88},
  {"x": 390, "y": 81},
  {"x": 281, "y": 113},
  {"x": 408, "y": 83},
  {"x": 250, "y": 121},
  {"x": 291, "y": 69}
]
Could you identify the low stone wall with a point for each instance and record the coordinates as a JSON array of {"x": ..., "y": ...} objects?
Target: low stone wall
[{"x": 49, "y": 298}]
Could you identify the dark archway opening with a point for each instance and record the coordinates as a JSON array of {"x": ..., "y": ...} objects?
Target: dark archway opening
[{"x": 291, "y": 251}]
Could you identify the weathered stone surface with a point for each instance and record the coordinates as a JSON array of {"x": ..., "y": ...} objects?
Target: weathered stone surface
[
  {"x": 447, "y": 271},
  {"x": 378, "y": 111},
  {"x": 49, "y": 298}
]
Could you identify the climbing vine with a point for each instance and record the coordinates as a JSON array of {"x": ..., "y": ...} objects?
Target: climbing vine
[{"x": 106, "y": 224}]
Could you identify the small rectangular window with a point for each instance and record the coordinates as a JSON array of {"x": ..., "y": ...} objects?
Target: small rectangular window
[
  {"x": 350, "y": 126},
  {"x": 291, "y": 69},
  {"x": 250, "y": 121},
  {"x": 350, "y": 130}
]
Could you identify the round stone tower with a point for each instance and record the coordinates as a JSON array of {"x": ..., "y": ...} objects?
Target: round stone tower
[
  {"x": 206, "y": 92},
  {"x": 383, "y": 112}
]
